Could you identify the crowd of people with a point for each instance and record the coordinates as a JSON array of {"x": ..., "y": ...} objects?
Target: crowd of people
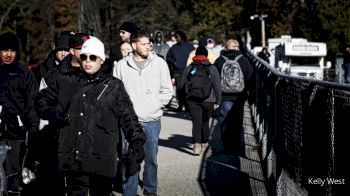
[{"x": 82, "y": 122}]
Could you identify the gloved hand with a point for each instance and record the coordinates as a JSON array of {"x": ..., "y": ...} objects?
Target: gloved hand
[
  {"x": 130, "y": 163},
  {"x": 138, "y": 151},
  {"x": 216, "y": 106},
  {"x": 57, "y": 119}
]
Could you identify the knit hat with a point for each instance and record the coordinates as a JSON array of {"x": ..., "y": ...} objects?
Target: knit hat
[
  {"x": 9, "y": 41},
  {"x": 62, "y": 42},
  {"x": 77, "y": 40},
  {"x": 129, "y": 27},
  {"x": 94, "y": 46},
  {"x": 201, "y": 50}
]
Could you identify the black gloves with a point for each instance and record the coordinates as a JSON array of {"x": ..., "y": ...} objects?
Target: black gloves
[
  {"x": 133, "y": 158},
  {"x": 138, "y": 151},
  {"x": 57, "y": 119}
]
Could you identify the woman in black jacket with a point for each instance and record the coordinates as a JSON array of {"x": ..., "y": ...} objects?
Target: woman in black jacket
[{"x": 201, "y": 82}]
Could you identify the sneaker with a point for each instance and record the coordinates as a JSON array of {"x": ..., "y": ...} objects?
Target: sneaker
[{"x": 197, "y": 149}]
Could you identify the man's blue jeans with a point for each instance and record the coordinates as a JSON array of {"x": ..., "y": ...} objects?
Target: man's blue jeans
[
  {"x": 225, "y": 108},
  {"x": 150, "y": 179}
]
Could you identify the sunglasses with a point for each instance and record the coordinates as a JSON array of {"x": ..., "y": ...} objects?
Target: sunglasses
[
  {"x": 123, "y": 32},
  {"x": 92, "y": 57}
]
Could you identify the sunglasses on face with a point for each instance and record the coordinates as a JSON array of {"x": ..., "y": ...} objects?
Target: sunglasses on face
[
  {"x": 92, "y": 57},
  {"x": 122, "y": 32}
]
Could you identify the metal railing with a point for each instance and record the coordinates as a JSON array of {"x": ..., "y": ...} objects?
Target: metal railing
[{"x": 301, "y": 125}]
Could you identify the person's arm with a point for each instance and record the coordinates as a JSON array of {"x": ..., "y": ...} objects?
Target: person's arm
[
  {"x": 133, "y": 131},
  {"x": 31, "y": 116},
  {"x": 128, "y": 118},
  {"x": 166, "y": 87},
  {"x": 190, "y": 56},
  {"x": 216, "y": 84},
  {"x": 170, "y": 59},
  {"x": 46, "y": 101}
]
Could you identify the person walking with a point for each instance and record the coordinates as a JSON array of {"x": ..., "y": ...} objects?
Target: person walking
[
  {"x": 201, "y": 105},
  {"x": 203, "y": 41},
  {"x": 54, "y": 57},
  {"x": 346, "y": 65},
  {"x": 18, "y": 118},
  {"x": 232, "y": 104},
  {"x": 264, "y": 55},
  {"x": 125, "y": 30},
  {"x": 43, "y": 149},
  {"x": 159, "y": 46},
  {"x": 147, "y": 80},
  {"x": 90, "y": 112},
  {"x": 177, "y": 61}
]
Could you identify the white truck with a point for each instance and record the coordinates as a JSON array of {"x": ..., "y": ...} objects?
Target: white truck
[{"x": 298, "y": 57}]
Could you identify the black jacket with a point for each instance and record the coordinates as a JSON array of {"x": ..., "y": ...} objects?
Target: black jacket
[
  {"x": 95, "y": 108},
  {"x": 215, "y": 94},
  {"x": 246, "y": 68},
  {"x": 17, "y": 91},
  {"x": 44, "y": 67}
]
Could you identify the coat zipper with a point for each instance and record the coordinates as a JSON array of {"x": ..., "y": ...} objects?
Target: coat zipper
[{"x": 106, "y": 86}]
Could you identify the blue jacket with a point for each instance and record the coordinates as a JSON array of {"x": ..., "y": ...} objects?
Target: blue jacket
[{"x": 177, "y": 57}]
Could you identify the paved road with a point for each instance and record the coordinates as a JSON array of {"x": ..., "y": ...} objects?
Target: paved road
[{"x": 213, "y": 173}]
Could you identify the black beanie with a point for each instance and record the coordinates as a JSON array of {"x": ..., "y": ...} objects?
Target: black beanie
[
  {"x": 129, "y": 27},
  {"x": 9, "y": 41},
  {"x": 201, "y": 50},
  {"x": 62, "y": 42}
]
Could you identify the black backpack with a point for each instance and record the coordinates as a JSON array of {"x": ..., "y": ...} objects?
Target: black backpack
[{"x": 198, "y": 85}]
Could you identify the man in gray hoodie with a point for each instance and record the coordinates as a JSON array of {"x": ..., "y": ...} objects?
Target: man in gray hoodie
[{"x": 147, "y": 80}]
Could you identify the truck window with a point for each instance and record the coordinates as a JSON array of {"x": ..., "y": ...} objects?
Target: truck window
[{"x": 304, "y": 61}]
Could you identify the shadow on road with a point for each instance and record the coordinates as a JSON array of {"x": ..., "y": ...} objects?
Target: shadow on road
[
  {"x": 179, "y": 142},
  {"x": 220, "y": 172},
  {"x": 170, "y": 112}
]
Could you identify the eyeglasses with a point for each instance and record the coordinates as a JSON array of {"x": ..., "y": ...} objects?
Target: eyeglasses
[
  {"x": 122, "y": 32},
  {"x": 92, "y": 57}
]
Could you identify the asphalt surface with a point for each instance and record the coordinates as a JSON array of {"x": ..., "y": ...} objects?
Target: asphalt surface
[{"x": 180, "y": 173}]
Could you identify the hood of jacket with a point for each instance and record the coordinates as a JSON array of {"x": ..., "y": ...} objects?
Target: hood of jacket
[
  {"x": 231, "y": 54},
  {"x": 131, "y": 61},
  {"x": 155, "y": 34}
]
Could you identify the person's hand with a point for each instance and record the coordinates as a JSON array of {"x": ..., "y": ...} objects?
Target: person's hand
[
  {"x": 57, "y": 119},
  {"x": 132, "y": 160},
  {"x": 216, "y": 106},
  {"x": 138, "y": 151}
]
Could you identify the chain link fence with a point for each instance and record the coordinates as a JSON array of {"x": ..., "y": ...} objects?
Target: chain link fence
[{"x": 302, "y": 126}]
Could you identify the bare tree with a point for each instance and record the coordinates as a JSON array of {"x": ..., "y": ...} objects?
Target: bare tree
[
  {"x": 90, "y": 17},
  {"x": 5, "y": 15}
]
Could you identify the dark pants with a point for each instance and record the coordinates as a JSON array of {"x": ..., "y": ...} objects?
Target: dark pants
[
  {"x": 84, "y": 184},
  {"x": 42, "y": 149},
  {"x": 13, "y": 164},
  {"x": 233, "y": 126},
  {"x": 200, "y": 113},
  {"x": 180, "y": 93}
]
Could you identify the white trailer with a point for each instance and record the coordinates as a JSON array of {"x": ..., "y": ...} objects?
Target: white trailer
[{"x": 298, "y": 57}]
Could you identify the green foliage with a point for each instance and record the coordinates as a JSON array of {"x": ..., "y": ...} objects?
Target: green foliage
[{"x": 38, "y": 22}]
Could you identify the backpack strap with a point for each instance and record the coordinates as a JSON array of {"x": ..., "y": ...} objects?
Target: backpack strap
[
  {"x": 238, "y": 57},
  {"x": 225, "y": 58}
]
